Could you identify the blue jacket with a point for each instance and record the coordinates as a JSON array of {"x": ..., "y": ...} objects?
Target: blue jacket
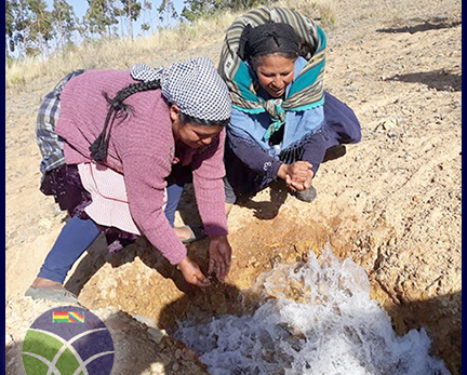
[{"x": 307, "y": 136}]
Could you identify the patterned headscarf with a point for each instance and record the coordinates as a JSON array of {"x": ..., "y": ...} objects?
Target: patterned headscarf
[{"x": 194, "y": 86}]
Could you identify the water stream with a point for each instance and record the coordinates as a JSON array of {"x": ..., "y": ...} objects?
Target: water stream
[{"x": 318, "y": 320}]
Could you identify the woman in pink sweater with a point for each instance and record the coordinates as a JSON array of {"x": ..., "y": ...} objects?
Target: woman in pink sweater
[{"x": 112, "y": 142}]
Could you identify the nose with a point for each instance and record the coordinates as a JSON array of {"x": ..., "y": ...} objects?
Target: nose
[{"x": 278, "y": 82}]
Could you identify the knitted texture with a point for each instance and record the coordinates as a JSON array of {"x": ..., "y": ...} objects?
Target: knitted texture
[{"x": 142, "y": 147}]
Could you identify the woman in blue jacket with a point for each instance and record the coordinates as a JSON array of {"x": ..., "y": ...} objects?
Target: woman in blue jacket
[{"x": 283, "y": 124}]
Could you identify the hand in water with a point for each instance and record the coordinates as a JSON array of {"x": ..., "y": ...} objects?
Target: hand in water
[
  {"x": 192, "y": 273},
  {"x": 220, "y": 254}
]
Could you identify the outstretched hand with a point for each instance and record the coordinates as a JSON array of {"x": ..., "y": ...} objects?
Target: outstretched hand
[{"x": 192, "y": 273}]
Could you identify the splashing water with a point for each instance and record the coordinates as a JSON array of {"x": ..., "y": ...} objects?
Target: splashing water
[{"x": 321, "y": 321}]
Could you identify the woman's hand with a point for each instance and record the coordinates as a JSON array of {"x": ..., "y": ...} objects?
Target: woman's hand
[
  {"x": 297, "y": 176},
  {"x": 220, "y": 254},
  {"x": 192, "y": 273}
]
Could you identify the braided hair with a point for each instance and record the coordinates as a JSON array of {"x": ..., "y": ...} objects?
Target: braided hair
[{"x": 117, "y": 109}]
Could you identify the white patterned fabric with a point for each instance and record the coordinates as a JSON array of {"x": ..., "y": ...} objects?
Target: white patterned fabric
[
  {"x": 109, "y": 204},
  {"x": 194, "y": 86}
]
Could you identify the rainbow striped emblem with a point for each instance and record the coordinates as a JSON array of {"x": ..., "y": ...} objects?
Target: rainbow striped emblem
[{"x": 67, "y": 317}]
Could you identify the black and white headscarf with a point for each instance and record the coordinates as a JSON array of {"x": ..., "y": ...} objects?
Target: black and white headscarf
[{"x": 194, "y": 86}]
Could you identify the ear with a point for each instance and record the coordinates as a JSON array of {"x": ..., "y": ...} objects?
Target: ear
[{"x": 174, "y": 111}]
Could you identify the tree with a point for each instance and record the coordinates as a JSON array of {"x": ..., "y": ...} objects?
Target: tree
[
  {"x": 195, "y": 9},
  {"x": 198, "y": 8},
  {"x": 100, "y": 16},
  {"x": 132, "y": 9},
  {"x": 65, "y": 22},
  {"x": 167, "y": 7},
  {"x": 147, "y": 8},
  {"x": 10, "y": 27},
  {"x": 40, "y": 26},
  {"x": 16, "y": 24}
]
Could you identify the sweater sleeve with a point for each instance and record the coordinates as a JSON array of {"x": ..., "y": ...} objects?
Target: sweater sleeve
[
  {"x": 146, "y": 149},
  {"x": 145, "y": 191},
  {"x": 208, "y": 172}
]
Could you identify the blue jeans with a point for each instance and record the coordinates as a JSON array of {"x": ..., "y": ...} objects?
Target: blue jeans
[{"x": 78, "y": 234}]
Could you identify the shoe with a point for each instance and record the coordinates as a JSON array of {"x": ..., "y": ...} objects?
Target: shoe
[
  {"x": 334, "y": 152},
  {"x": 308, "y": 195},
  {"x": 52, "y": 294},
  {"x": 196, "y": 233}
]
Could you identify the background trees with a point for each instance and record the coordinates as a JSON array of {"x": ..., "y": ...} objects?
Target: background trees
[
  {"x": 65, "y": 22},
  {"x": 32, "y": 28}
]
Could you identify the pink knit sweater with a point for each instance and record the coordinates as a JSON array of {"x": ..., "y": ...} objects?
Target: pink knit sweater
[{"x": 142, "y": 148}]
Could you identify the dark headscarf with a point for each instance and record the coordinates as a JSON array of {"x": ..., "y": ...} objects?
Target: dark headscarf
[{"x": 266, "y": 39}]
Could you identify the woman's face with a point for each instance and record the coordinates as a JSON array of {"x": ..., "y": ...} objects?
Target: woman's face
[
  {"x": 274, "y": 73},
  {"x": 193, "y": 135}
]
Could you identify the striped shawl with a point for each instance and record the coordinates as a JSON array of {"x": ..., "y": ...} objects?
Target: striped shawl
[{"x": 305, "y": 92}]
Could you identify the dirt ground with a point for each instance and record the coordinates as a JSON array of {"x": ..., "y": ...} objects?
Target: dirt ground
[{"x": 392, "y": 203}]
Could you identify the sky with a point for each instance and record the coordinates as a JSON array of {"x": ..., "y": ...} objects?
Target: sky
[{"x": 80, "y": 7}]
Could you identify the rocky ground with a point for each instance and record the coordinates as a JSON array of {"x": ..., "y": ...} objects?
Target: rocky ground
[{"x": 392, "y": 204}]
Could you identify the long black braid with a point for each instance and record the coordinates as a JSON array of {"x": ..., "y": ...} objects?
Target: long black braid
[{"x": 120, "y": 110}]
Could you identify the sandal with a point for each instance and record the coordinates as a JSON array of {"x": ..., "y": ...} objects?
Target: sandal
[
  {"x": 196, "y": 233},
  {"x": 52, "y": 294}
]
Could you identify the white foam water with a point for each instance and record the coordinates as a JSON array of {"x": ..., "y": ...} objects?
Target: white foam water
[{"x": 321, "y": 320}]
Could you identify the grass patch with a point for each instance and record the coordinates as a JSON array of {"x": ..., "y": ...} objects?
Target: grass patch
[
  {"x": 111, "y": 53},
  {"x": 328, "y": 15}
]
